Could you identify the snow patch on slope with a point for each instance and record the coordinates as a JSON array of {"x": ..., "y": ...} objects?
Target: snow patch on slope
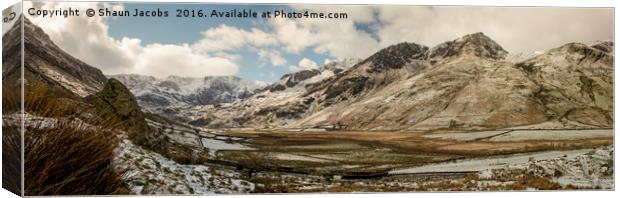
[{"x": 152, "y": 173}]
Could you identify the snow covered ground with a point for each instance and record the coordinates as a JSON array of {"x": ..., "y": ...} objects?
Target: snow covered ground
[
  {"x": 479, "y": 164},
  {"x": 584, "y": 168},
  {"x": 591, "y": 170},
  {"x": 594, "y": 169},
  {"x": 152, "y": 173},
  {"x": 200, "y": 138}
]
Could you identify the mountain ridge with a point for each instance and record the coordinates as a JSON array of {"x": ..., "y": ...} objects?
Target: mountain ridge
[
  {"x": 162, "y": 94},
  {"x": 460, "y": 84}
]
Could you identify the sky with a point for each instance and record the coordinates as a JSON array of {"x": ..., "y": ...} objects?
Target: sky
[{"x": 265, "y": 49}]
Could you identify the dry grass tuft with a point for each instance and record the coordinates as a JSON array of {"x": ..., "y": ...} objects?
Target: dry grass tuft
[
  {"x": 67, "y": 160},
  {"x": 65, "y": 154},
  {"x": 11, "y": 142},
  {"x": 11, "y": 158}
]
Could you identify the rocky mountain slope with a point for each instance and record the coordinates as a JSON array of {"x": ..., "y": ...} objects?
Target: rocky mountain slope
[
  {"x": 46, "y": 62},
  {"x": 575, "y": 82},
  {"x": 161, "y": 95},
  {"x": 290, "y": 88},
  {"x": 464, "y": 83}
]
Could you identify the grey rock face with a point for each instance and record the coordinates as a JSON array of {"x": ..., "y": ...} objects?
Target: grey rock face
[
  {"x": 396, "y": 56},
  {"x": 476, "y": 44},
  {"x": 297, "y": 77}
]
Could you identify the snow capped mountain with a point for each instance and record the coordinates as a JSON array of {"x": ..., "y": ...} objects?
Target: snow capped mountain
[
  {"x": 341, "y": 64},
  {"x": 476, "y": 44},
  {"x": 465, "y": 83},
  {"x": 290, "y": 88},
  {"x": 174, "y": 91},
  {"x": 300, "y": 80},
  {"x": 607, "y": 46}
]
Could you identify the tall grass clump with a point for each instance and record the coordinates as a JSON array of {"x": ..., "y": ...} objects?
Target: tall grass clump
[
  {"x": 68, "y": 150},
  {"x": 11, "y": 141}
]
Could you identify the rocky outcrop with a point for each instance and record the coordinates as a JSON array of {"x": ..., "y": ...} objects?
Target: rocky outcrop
[
  {"x": 476, "y": 44},
  {"x": 606, "y": 46},
  {"x": 116, "y": 104},
  {"x": 396, "y": 56},
  {"x": 294, "y": 78}
]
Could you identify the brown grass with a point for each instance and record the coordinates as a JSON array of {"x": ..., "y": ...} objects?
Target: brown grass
[
  {"x": 417, "y": 143},
  {"x": 70, "y": 156},
  {"x": 11, "y": 142},
  {"x": 483, "y": 148},
  {"x": 67, "y": 160},
  {"x": 537, "y": 182},
  {"x": 11, "y": 158}
]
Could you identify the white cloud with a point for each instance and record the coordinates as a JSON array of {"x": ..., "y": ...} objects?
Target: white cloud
[
  {"x": 517, "y": 29},
  {"x": 87, "y": 38},
  {"x": 337, "y": 38},
  {"x": 226, "y": 38},
  {"x": 274, "y": 57},
  {"x": 294, "y": 36},
  {"x": 304, "y": 64},
  {"x": 179, "y": 60}
]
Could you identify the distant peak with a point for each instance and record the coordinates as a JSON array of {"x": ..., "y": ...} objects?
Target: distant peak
[
  {"x": 477, "y": 34},
  {"x": 476, "y": 44},
  {"x": 396, "y": 56}
]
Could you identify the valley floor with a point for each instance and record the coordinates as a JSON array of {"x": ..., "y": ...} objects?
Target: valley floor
[
  {"x": 254, "y": 161},
  {"x": 592, "y": 169}
]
